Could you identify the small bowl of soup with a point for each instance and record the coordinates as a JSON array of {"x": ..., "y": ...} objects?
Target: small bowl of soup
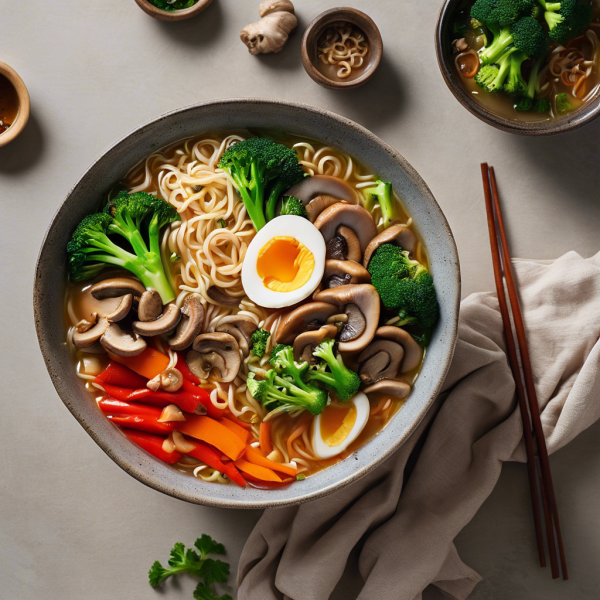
[
  {"x": 562, "y": 84},
  {"x": 14, "y": 104},
  {"x": 173, "y": 10},
  {"x": 342, "y": 48}
]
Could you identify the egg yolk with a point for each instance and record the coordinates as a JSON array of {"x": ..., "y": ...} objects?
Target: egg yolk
[
  {"x": 336, "y": 423},
  {"x": 284, "y": 264}
]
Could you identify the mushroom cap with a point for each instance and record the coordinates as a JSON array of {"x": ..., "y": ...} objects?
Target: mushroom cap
[
  {"x": 322, "y": 185},
  {"x": 400, "y": 235},
  {"x": 391, "y": 387},
  {"x": 351, "y": 215},
  {"x": 366, "y": 298},
  {"x": 84, "y": 339},
  {"x": 122, "y": 343},
  {"x": 150, "y": 306},
  {"x": 305, "y": 342},
  {"x": 116, "y": 287},
  {"x": 381, "y": 359},
  {"x": 217, "y": 350},
  {"x": 122, "y": 309},
  {"x": 190, "y": 325},
  {"x": 299, "y": 319},
  {"x": 318, "y": 204},
  {"x": 215, "y": 294},
  {"x": 354, "y": 325},
  {"x": 413, "y": 353},
  {"x": 342, "y": 268},
  {"x": 354, "y": 252},
  {"x": 165, "y": 323},
  {"x": 241, "y": 327}
]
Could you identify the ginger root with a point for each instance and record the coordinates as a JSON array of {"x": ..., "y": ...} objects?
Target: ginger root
[{"x": 270, "y": 33}]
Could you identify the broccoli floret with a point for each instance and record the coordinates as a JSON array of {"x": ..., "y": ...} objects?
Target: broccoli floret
[
  {"x": 259, "y": 341},
  {"x": 532, "y": 86},
  {"x": 383, "y": 193},
  {"x": 404, "y": 285},
  {"x": 262, "y": 170},
  {"x": 339, "y": 378},
  {"x": 562, "y": 103},
  {"x": 515, "y": 83},
  {"x": 526, "y": 35},
  {"x": 277, "y": 392},
  {"x": 459, "y": 28},
  {"x": 524, "y": 104},
  {"x": 138, "y": 218},
  {"x": 485, "y": 12},
  {"x": 566, "y": 19},
  {"x": 542, "y": 105},
  {"x": 293, "y": 206},
  {"x": 492, "y": 77},
  {"x": 282, "y": 359}
]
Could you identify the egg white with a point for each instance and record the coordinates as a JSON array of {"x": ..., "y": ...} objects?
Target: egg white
[
  {"x": 321, "y": 449},
  {"x": 290, "y": 226}
]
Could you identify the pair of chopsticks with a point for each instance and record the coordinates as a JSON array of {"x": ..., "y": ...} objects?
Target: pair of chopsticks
[{"x": 528, "y": 402}]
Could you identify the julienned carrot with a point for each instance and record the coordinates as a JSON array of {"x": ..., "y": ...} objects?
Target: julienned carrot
[
  {"x": 256, "y": 470},
  {"x": 143, "y": 423},
  {"x": 149, "y": 363},
  {"x": 214, "y": 433},
  {"x": 264, "y": 438},
  {"x": 255, "y": 457},
  {"x": 233, "y": 418},
  {"x": 185, "y": 370},
  {"x": 242, "y": 433},
  {"x": 118, "y": 407},
  {"x": 153, "y": 444},
  {"x": 116, "y": 374},
  {"x": 209, "y": 456}
]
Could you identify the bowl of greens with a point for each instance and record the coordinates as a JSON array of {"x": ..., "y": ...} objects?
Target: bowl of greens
[{"x": 173, "y": 10}]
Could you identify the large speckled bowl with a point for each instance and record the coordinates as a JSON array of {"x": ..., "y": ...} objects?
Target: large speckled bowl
[{"x": 250, "y": 114}]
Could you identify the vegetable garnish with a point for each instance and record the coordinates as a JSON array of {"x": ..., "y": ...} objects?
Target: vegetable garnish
[
  {"x": 208, "y": 570},
  {"x": 171, "y": 5}
]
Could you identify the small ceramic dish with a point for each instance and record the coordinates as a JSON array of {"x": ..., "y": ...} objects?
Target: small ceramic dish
[
  {"x": 310, "y": 55},
  {"x": 23, "y": 97},
  {"x": 173, "y": 15},
  {"x": 443, "y": 45}
]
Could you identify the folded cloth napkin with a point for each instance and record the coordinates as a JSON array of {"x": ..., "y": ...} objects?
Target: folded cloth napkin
[{"x": 405, "y": 514}]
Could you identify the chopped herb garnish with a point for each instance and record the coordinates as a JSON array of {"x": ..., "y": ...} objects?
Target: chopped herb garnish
[
  {"x": 300, "y": 477},
  {"x": 174, "y": 257},
  {"x": 222, "y": 223},
  {"x": 173, "y": 4}
]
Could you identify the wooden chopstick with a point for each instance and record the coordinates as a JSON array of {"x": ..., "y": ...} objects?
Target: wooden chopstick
[
  {"x": 534, "y": 408},
  {"x": 502, "y": 264}
]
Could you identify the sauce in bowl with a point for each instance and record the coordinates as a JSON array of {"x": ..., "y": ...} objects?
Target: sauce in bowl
[{"x": 9, "y": 104}]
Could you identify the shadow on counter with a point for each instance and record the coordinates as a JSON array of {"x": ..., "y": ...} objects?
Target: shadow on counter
[{"x": 24, "y": 151}]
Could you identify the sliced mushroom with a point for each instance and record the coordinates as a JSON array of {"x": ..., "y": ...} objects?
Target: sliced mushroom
[
  {"x": 122, "y": 309},
  {"x": 241, "y": 327},
  {"x": 309, "y": 316},
  {"x": 413, "y": 353},
  {"x": 122, "y": 343},
  {"x": 306, "y": 342},
  {"x": 171, "y": 380},
  {"x": 214, "y": 293},
  {"x": 319, "y": 185},
  {"x": 84, "y": 339},
  {"x": 165, "y": 323},
  {"x": 190, "y": 325},
  {"x": 381, "y": 359},
  {"x": 352, "y": 216},
  {"x": 355, "y": 325},
  {"x": 318, "y": 204},
  {"x": 344, "y": 272},
  {"x": 366, "y": 299},
  {"x": 352, "y": 243},
  {"x": 218, "y": 351},
  {"x": 400, "y": 235},
  {"x": 85, "y": 325},
  {"x": 150, "y": 306},
  {"x": 171, "y": 412},
  {"x": 392, "y": 387},
  {"x": 336, "y": 248},
  {"x": 116, "y": 287}
]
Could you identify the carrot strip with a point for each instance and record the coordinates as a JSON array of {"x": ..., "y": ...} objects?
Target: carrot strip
[
  {"x": 256, "y": 471},
  {"x": 242, "y": 433},
  {"x": 214, "y": 433},
  {"x": 295, "y": 434},
  {"x": 239, "y": 422},
  {"x": 149, "y": 363},
  {"x": 255, "y": 457},
  {"x": 264, "y": 438}
]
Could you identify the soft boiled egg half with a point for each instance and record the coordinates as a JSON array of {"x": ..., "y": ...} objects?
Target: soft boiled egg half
[
  {"x": 284, "y": 263},
  {"x": 339, "y": 425}
]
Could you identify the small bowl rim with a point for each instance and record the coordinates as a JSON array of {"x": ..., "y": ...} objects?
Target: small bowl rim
[
  {"x": 24, "y": 104},
  {"x": 344, "y": 13},
  {"x": 571, "y": 122},
  {"x": 176, "y": 15}
]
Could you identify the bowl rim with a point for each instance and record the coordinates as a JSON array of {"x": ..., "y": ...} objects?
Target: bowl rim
[
  {"x": 176, "y": 15},
  {"x": 148, "y": 478},
  {"x": 24, "y": 104},
  {"x": 356, "y": 17},
  {"x": 571, "y": 122}
]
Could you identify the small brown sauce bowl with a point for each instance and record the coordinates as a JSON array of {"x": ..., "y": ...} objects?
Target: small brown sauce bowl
[
  {"x": 173, "y": 15},
  {"x": 443, "y": 46},
  {"x": 23, "y": 111},
  {"x": 310, "y": 57}
]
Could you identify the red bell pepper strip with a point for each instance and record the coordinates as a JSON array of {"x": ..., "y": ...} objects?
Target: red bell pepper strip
[
  {"x": 116, "y": 374},
  {"x": 153, "y": 444},
  {"x": 143, "y": 423},
  {"x": 185, "y": 370},
  {"x": 118, "y": 407},
  {"x": 209, "y": 456}
]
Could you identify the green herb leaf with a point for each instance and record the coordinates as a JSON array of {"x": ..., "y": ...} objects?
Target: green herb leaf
[
  {"x": 207, "y": 545},
  {"x": 300, "y": 477},
  {"x": 214, "y": 571},
  {"x": 157, "y": 574},
  {"x": 205, "y": 592}
]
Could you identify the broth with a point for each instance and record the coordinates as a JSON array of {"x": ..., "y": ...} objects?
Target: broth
[{"x": 9, "y": 104}]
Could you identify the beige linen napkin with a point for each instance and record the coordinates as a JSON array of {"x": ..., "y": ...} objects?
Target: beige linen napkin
[{"x": 406, "y": 513}]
